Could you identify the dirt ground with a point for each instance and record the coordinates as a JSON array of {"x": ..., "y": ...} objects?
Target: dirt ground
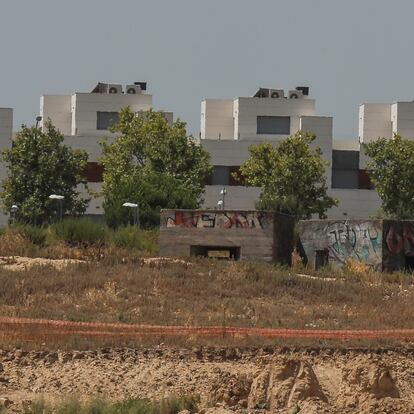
[{"x": 227, "y": 379}]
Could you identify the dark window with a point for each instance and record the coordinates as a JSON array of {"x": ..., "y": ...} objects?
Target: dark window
[
  {"x": 365, "y": 182},
  {"x": 217, "y": 252},
  {"x": 345, "y": 178},
  {"x": 345, "y": 160},
  {"x": 93, "y": 172},
  {"x": 273, "y": 125},
  {"x": 220, "y": 176},
  {"x": 321, "y": 258},
  {"x": 105, "y": 120}
]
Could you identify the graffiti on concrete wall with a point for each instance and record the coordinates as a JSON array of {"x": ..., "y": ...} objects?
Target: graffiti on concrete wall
[
  {"x": 361, "y": 241},
  {"x": 223, "y": 220},
  {"x": 399, "y": 238}
]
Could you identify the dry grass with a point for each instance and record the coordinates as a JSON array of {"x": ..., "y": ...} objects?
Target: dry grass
[{"x": 207, "y": 293}]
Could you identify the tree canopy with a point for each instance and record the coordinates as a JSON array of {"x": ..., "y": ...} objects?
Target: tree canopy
[
  {"x": 291, "y": 176},
  {"x": 391, "y": 168},
  {"x": 151, "y": 163},
  {"x": 38, "y": 165}
]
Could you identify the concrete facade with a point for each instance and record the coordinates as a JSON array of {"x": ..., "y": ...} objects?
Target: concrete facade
[
  {"x": 228, "y": 137},
  {"x": 381, "y": 244},
  {"x": 76, "y": 116},
  {"x": 251, "y": 235}
]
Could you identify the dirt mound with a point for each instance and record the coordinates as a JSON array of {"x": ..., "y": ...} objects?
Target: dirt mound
[
  {"x": 284, "y": 386},
  {"x": 243, "y": 381}
]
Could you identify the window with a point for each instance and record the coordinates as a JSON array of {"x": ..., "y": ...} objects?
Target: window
[
  {"x": 105, "y": 120},
  {"x": 93, "y": 172},
  {"x": 273, "y": 125}
]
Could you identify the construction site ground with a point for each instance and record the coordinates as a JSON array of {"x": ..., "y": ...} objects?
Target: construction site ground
[{"x": 244, "y": 337}]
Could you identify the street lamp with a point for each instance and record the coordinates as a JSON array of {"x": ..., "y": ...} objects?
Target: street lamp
[
  {"x": 136, "y": 215},
  {"x": 220, "y": 204},
  {"x": 223, "y": 193},
  {"x": 60, "y": 199},
  {"x": 13, "y": 211},
  {"x": 38, "y": 119}
]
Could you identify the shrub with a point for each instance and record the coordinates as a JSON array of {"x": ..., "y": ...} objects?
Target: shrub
[
  {"x": 172, "y": 405},
  {"x": 80, "y": 232},
  {"x": 36, "y": 235},
  {"x": 131, "y": 237}
]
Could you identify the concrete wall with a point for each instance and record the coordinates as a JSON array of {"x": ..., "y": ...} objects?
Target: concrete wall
[
  {"x": 86, "y": 105},
  {"x": 322, "y": 127},
  {"x": 248, "y": 109},
  {"x": 359, "y": 240},
  {"x": 58, "y": 109},
  {"x": 383, "y": 244},
  {"x": 217, "y": 119},
  {"x": 398, "y": 245},
  {"x": 403, "y": 119},
  {"x": 252, "y": 231}
]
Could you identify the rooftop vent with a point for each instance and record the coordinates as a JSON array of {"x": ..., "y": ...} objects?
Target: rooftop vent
[
  {"x": 107, "y": 88},
  {"x": 143, "y": 85},
  {"x": 304, "y": 89},
  {"x": 262, "y": 93}
]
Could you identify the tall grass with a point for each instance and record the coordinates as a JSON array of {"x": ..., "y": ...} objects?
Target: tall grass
[
  {"x": 171, "y": 405},
  {"x": 81, "y": 231},
  {"x": 75, "y": 238}
]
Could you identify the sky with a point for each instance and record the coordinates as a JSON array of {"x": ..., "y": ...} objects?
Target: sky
[{"x": 348, "y": 52}]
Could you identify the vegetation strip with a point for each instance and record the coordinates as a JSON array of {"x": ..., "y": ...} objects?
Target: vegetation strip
[{"x": 45, "y": 328}]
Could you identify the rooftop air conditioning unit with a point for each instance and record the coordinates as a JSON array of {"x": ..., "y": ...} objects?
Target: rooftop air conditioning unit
[
  {"x": 114, "y": 89},
  {"x": 295, "y": 94},
  {"x": 133, "y": 89},
  {"x": 262, "y": 93},
  {"x": 277, "y": 93}
]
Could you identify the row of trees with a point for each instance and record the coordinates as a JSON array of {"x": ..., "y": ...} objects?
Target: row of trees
[{"x": 158, "y": 166}]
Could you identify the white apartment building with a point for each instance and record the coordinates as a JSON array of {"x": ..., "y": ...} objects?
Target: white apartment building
[
  {"x": 84, "y": 119},
  {"x": 230, "y": 126}
]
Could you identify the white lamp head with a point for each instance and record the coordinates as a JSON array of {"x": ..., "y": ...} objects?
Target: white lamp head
[
  {"x": 133, "y": 205},
  {"x": 56, "y": 197}
]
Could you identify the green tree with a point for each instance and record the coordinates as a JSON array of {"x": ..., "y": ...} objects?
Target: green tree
[
  {"x": 151, "y": 163},
  {"x": 291, "y": 176},
  {"x": 391, "y": 168},
  {"x": 38, "y": 165}
]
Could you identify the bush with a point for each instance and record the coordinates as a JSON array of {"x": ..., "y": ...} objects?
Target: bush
[
  {"x": 131, "y": 237},
  {"x": 170, "y": 405},
  {"x": 36, "y": 235},
  {"x": 80, "y": 231}
]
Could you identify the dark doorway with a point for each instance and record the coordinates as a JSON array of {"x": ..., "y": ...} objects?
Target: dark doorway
[
  {"x": 409, "y": 263},
  {"x": 321, "y": 258},
  {"x": 216, "y": 252}
]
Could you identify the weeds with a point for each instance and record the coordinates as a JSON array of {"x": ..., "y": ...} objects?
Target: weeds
[{"x": 171, "y": 405}]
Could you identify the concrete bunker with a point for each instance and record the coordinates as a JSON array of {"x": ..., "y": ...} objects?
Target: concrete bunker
[
  {"x": 227, "y": 234},
  {"x": 385, "y": 245}
]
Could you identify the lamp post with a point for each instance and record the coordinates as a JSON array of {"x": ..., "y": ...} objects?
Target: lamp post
[
  {"x": 60, "y": 199},
  {"x": 13, "y": 211},
  {"x": 220, "y": 204},
  {"x": 136, "y": 215},
  {"x": 38, "y": 119},
  {"x": 223, "y": 193}
]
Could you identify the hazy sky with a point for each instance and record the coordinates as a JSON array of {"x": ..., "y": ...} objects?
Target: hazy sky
[{"x": 348, "y": 51}]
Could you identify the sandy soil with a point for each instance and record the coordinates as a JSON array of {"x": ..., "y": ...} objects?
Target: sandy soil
[
  {"x": 259, "y": 380},
  {"x": 20, "y": 263}
]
